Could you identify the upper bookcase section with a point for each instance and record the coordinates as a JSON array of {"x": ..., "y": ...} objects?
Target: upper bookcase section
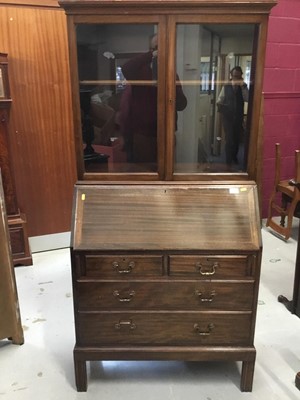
[{"x": 167, "y": 90}]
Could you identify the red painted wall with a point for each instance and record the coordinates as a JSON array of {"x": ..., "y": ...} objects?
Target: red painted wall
[{"x": 281, "y": 93}]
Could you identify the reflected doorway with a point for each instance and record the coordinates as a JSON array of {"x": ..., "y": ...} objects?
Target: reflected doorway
[{"x": 205, "y": 55}]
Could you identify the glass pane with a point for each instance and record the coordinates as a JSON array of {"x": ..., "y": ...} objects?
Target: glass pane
[
  {"x": 118, "y": 96},
  {"x": 214, "y": 65}
]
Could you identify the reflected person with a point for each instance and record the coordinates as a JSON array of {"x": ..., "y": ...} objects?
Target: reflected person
[
  {"x": 138, "y": 111},
  {"x": 231, "y": 105}
]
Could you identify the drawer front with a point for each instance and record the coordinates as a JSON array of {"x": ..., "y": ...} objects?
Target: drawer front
[
  {"x": 212, "y": 267},
  {"x": 178, "y": 295},
  {"x": 181, "y": 328},
  {"x": 123, "y": 266}
]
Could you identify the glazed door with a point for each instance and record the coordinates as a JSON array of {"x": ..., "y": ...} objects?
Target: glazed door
[
  {"x": 166, "y": 97},
  {"x": 119, "y": 106},
  {"x": 216, "y": 133}
]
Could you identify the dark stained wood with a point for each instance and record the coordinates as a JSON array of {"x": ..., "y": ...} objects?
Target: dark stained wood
[
  {"x": 213, "y": 6},
  {"x": 100, "y": 266},
  {"x": 165, "y": 265},
  {"x": 169, "y": 329},
  {"x": 181, "y": 217},
  {"x": 187, "y": 294},
  {"x": 167, "y": 15}
]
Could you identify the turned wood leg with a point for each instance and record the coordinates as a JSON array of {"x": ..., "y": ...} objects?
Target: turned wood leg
[
  {"x": 247, "y": 376},
  {"x": 80, "y": 375}
]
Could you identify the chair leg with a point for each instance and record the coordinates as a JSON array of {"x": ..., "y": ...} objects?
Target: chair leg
[
  {"x": 291, "y": 212},
  {"x": 270, "y": 209},
  {"x": 287, "y": 209},
  {"x": 284, "y": 206}
]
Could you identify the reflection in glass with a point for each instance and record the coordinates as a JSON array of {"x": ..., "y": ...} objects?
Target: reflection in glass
[
  {"x": 231, "y": 102},
  {"x": 138, "y": 116},
  {"x": 213, "y": 131},
  {"x": 118, "y": 96}
]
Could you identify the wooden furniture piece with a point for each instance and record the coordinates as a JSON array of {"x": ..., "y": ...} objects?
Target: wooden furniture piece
[
  {"x": 166, "y": 245},
  {"x": 10, "y": 319},
  {"x": 285, "y": 198},
  {"x": 164, "y": 278},
  {"x": 294, "y": 305},
  {"x": 16, "y": 219}
]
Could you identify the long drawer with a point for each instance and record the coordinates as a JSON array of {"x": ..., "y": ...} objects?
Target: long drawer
[
  {"x": 165, "y": 295},
  {"x": 173, "y": 328}
]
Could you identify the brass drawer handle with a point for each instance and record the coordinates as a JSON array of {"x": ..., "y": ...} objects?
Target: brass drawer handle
[
  {"x": 123, "y": 270},
  {"x": 116, "y": 293},
  {"x": 208, "y": 299},
  {"x": 207, "y": 269},
  {"x": 210, "y": 327},
  {"x": 125, "y": 324}
]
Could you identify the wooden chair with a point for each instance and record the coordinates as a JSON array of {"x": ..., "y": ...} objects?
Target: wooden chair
[{"x": 288, "y": 192}]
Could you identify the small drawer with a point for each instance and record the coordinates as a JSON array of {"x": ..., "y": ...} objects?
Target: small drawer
[
  {"x": 212, "y": 267},
  {"x": 123, "y": 266},
  {"x": 169, "y": 329},
  {"x": 160, "y": 295},
  {"x": 120, "y": 295}
]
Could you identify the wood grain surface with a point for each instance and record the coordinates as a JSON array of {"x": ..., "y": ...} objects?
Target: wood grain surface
[
  {"x": 40, "y": 124},
  {"x": 166, "y": 218}
]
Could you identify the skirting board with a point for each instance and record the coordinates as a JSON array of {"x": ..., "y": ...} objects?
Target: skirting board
[{"x": 49, "y": 242}]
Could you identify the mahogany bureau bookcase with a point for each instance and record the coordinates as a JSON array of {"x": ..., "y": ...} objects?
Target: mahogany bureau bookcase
[{"x": 166, "y": 244}]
